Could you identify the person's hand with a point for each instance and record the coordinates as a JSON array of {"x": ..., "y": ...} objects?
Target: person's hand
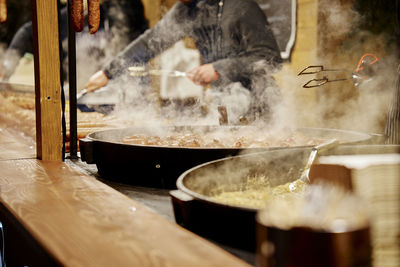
[
  {"x": 203, "y": 75},
  {"x": 96, "y": 81}
]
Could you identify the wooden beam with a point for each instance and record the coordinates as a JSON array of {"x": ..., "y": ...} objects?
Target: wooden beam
[{"x": 47, "y": 79}]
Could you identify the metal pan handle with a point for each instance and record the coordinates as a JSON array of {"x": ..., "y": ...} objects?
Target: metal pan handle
[
  {"x": 182, "y": 205},
  {"x": 86, "y": 149}
]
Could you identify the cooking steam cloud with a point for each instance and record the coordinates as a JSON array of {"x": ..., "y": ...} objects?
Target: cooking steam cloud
[
  {"x": 140, "y": 102},
  {"x": 343, "y": 42},
  {"x": 337, "y": 105}
]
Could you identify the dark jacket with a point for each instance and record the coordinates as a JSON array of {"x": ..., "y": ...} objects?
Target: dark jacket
[{"x": 231, "y": 36}]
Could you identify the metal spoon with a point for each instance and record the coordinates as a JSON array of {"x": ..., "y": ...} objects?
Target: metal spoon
[
  {"x": 319, "y": 148},
  {"x": 135, "y": 72}
]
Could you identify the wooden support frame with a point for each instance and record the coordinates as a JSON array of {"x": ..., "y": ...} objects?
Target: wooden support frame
[{"x": 47, "y": 79}]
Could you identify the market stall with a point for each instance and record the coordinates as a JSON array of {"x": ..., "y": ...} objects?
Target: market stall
[{"x": 135, "y": 193}]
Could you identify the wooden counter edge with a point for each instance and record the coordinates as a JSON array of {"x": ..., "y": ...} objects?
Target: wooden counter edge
[{"x": 80, "y": 221}]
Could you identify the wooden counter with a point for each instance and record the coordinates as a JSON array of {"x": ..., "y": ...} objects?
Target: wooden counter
[{"x": 54, "y": 215}]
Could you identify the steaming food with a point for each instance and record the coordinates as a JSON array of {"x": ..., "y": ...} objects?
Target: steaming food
[
  {"x": 93, "y": 15},
  {"x": 256, "y": 191},
  {"x": 222, "y": 140},
  {"x": 319, "y": 206},
  {"x": 77, "y": 15}
]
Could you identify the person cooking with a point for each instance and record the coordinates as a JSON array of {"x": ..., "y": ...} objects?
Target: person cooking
[{"x": 231, "y": 36}]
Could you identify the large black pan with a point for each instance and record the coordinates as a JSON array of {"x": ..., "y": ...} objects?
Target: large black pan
[
  {"x": 159, "y": 166},
  {"x": 235, "y": 225},
  {"x": 230, "y": 224}
]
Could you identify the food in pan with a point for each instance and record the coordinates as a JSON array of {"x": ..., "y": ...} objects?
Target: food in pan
[
  {"x": 3, "y": 11},
  {"x": 221, "y": 140},
  {"x": 321, "y": 206},
  {"x": 255, "y": 191},
  {"x": 93, "y": 15},
  {"x": 77, "y": 15}
]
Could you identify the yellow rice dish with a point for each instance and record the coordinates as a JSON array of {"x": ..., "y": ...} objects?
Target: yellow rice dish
[{"x": 256, "y": 194}]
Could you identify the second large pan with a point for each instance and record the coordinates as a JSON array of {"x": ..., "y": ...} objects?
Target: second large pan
[{"x": 234, "y": 224}]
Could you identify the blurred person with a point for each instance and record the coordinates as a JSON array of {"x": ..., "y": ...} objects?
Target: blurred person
[
  {"x": 233, "y": 37},
  {"x": 121, "y": 20}
]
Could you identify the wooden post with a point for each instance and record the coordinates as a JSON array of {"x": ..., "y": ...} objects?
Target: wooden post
[{"x": 47, "y": 79}]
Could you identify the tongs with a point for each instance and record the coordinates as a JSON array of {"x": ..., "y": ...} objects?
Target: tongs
[
  {"x": 141, "y": 71},
  {"x": 356, "y": 76}
]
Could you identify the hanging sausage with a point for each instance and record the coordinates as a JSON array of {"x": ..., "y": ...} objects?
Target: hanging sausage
[
  {"x": 3, "y": 11},
  {"x": 93, "y": 15},
  {"x": 77, "y": 13}
]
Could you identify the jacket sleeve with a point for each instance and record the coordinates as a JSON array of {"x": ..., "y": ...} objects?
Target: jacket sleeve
[
  {"x": 257, "y": 42},
  {"x": 151, "y": 43}
]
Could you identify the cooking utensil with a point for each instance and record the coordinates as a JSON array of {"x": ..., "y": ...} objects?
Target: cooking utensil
[
  {"x": 234, "y": 225},
  {"x": 160, "y": 166},
  {"x": 139, "y": 72},
  {"x": 170, "y": 73},
  {"x": 361, "y": 73},
  {"x": 321, "y": 81},
  {"x": 223, "y": 118},
  {"x": 314, "y": 151},
  {"x": 81, "y": 93},
  {"x": 102, "y": 100}
]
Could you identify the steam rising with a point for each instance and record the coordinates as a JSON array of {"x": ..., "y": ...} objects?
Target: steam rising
[
  {"x": 334, "y": 105},
  {"x": 93, "y": 51},
  {"x": 321, "y": 207},
  {"x": 337, "y": 105},
  {"x": 343, "y": 104},
  {"x": 141, "y": 103}
]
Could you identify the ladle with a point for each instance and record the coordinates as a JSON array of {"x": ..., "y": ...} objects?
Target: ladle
[{"x": 315, "y": 150}]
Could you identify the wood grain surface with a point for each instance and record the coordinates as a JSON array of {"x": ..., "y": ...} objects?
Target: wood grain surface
[
  {"x": 47, "y": 80},
  {"x": 83, "y": 222},
  {"x": 15, "y": 146}
]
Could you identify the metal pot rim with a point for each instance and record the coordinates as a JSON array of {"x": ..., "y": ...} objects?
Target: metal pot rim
[{"x": 357, "y": 136}]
